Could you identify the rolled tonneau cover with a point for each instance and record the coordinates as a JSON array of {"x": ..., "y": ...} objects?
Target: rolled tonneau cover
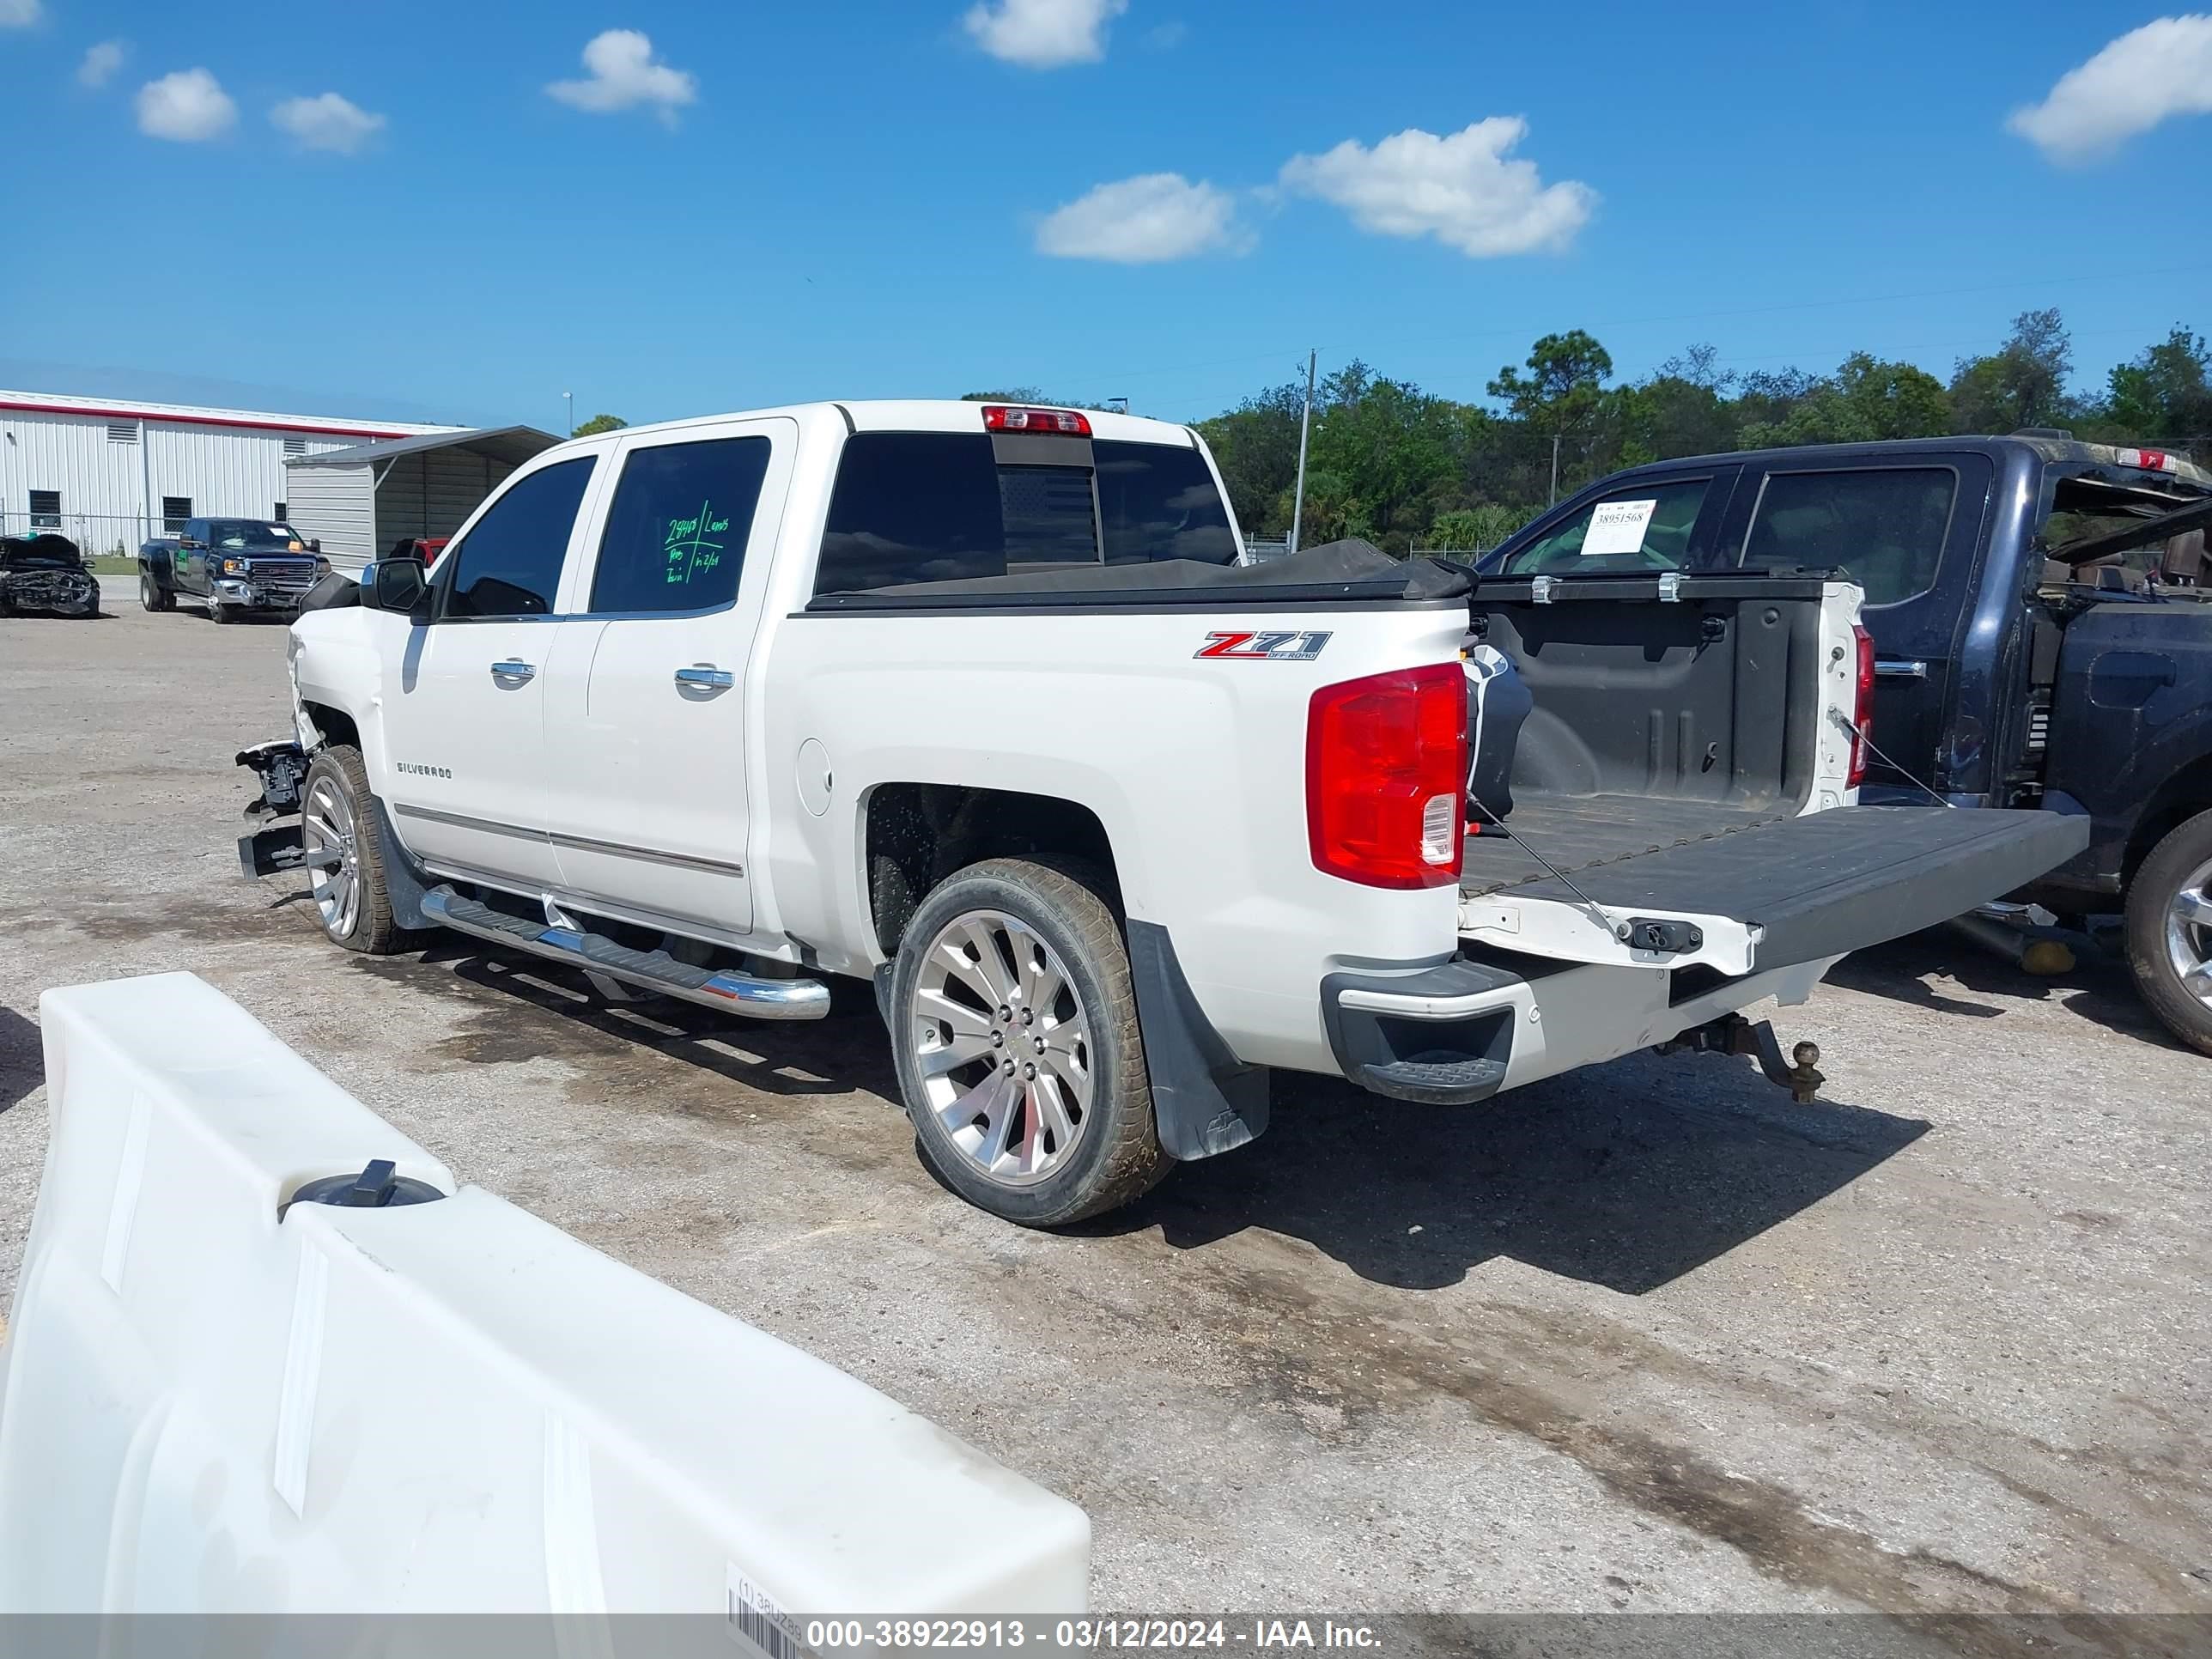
[{"x": 1346, "y": 572}]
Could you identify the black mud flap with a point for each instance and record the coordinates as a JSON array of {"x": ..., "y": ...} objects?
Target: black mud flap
[
  {"x": 1204, "y": 1100},
  {"x": 1837, "y": 881}
]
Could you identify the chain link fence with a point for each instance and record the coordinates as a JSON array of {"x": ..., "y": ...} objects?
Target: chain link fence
[{"x": 104, "y": 536}]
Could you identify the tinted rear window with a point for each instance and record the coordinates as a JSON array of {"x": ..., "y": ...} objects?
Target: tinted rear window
[
  {"x": 912, "y": 507},
  {"x": 928, "y": 507},
  {"x": 1157, "y": 501},
  {"x": 1048, "y": 516}
]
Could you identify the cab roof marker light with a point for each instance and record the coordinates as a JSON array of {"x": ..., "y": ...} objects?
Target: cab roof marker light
[
  {"x": 1049, "y": 423},
  {"x": 2150, "y": 460}
]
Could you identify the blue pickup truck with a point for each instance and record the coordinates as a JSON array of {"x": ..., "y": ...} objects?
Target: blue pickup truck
[
  {"x": 235, "y": 566},
  {"x": 2041, "y": 614}
]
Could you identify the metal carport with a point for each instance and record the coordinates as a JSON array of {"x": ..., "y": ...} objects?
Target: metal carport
[{"x": 359, "y": 502}]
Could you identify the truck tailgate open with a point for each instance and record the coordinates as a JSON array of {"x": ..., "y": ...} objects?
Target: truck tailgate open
[{"x": 1814, "y": 886}]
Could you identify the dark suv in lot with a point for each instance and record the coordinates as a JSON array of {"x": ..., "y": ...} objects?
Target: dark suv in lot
[
  {"x": 232, "y": 566},
  {"x": 2041, "y": 614}
]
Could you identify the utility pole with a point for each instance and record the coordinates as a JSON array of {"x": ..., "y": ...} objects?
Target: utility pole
[
  {"x": 570, "y": 429},
  {"x": 1305, "y": 421},
  {"x": 1555, "y": 469}
]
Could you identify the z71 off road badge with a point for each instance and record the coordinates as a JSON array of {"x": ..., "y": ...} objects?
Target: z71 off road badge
[{"x": 1273, "y": 648}]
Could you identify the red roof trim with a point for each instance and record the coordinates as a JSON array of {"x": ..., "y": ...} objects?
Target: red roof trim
[{"x": 315, "y": 427}]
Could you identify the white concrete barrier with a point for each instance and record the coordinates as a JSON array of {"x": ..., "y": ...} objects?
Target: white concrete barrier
[{"x": 449, "y": 1407}]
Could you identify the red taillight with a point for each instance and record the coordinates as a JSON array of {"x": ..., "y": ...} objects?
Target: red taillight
[
  {"x": 1862, "y": 708},
  {"x": 1057, "y": 423},
  {"x": 1386, "y": 777},
  {"x": 2150, "y": 460}
]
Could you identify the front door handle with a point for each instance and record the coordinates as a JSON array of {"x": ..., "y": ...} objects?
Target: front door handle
[
  {"x": 704, "y": 676},
  {"x": 516, "y": 672}
]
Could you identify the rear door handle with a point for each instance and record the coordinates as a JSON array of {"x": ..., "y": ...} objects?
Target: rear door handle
[
  {"x": 512, "y": 670},
  {"x": 704, "y": 676},
  {"x": 1896, "y": 668}
]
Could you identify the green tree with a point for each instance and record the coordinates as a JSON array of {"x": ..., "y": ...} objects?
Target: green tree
[
  {"x": 1564, "y": 391},
  {"x": 1391, "y": 445},
  {"x": 1477, "y": 529},
  {"x": 2022, "y": 383},
  {"x": 599, "y": 424},
  {"x": 1256, "y": 447},
  {"x": 1867, "y": 400},
  {"x": 2165, "y": 395}
]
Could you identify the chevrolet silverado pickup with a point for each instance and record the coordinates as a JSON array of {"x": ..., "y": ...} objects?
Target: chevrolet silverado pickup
[
  {"x": 976, "y": 702},
  {"x": 2042, "y": 626}
]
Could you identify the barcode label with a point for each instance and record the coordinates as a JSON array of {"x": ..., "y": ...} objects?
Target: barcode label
[{"x": 757, "y": 1624}]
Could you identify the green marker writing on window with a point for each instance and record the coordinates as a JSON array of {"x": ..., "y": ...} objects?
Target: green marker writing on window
[{"x": 689, "y": 551}]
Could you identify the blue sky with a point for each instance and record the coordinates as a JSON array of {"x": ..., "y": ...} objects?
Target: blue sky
[{"x": 765, "y": 203}]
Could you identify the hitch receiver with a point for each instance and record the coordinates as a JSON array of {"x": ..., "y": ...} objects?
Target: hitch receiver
[{"x": 1732, "y": 1033}]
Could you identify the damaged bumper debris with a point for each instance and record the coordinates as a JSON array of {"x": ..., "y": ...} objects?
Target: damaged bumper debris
[
  {"x": 63, "y": 593},
  {"x": 282, "y": 768}
]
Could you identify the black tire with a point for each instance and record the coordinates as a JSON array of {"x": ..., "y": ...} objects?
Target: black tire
[
  {"x": 152, "y": 595},
  {"x": 218, "y": 611},
  {"x": 371, "y": 930},
  {"x": 1116, "y": 1156},
  {"x": 2177, "y": 862}
]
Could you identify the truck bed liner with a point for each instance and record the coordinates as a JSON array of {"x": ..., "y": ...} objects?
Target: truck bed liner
[
  {"x": 1818, "y": 885},
  {"x": 1584, "y": 832}
]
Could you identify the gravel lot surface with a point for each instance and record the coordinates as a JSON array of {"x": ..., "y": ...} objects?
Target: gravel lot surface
[{"x": 1650, "y": 1337}]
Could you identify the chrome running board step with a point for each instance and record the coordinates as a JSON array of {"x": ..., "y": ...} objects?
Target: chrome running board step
[{"x": 652, "y": 970}]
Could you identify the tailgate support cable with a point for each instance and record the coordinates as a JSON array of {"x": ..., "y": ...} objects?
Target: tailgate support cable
[
  {"x": 1854, "y": 729},
  {"x": 1618, "y": 930}
]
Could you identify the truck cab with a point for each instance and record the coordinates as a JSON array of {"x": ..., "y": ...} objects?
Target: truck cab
[{"x": 2029, "y": 650}]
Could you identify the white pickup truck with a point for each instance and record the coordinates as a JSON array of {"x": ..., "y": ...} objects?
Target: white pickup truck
[{"x": 976, "y": 702}]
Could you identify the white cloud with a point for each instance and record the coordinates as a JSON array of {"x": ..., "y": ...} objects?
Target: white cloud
[
  {"x": 20, "y": 14},
  {"x": 1043, "y": 33},
  {"x": 1153, "y": 218},
  {"x": 2149, "y": 75},
  {"x": 100, "y": 62},
  {"x": 624, "y": 76},
  {"x": 329, "y": 122},
  {"x": 186, "y": 106},
  {"x": 1463, "y": 189}
]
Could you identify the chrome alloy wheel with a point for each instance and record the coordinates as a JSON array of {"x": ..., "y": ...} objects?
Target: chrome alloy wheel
[
  {"x": 1002, "y": 1044},
  {"x": 327, "y": 825},
  {"x": 2189, "y": 935}
]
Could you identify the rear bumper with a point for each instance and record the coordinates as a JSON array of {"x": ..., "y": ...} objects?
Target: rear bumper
[
  {"x": 1440, "y": 1036},
  {"x": 1458, "y": 1032}
]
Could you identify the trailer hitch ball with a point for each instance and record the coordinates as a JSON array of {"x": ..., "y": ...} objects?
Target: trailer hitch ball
[
  {"x": 1732, "y": 1033},
  {"x": 1805, "y": 1075}
]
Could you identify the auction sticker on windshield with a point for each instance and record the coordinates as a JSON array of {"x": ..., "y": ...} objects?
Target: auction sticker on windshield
[{"x": 1618, "y": 527}]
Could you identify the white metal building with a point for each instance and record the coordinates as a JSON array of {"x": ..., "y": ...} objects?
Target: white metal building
[
  {"x": 358, "y": 501},
  {"x": 108, "y": 473}
]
